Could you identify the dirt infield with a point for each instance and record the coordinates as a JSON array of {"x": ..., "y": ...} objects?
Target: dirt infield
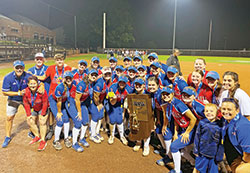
[{"x": 20, "y": 157}]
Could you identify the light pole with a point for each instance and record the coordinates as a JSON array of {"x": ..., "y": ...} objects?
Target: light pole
[
  {"x": 104, "y": 31},
  {"x": 175, "y": 9}
]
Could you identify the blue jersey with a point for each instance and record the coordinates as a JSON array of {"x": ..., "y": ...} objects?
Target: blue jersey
[
  {"x": 65, "y": 93},
  {"x": 178, "y": 85},
  {"x": 120, "y": 94},
  {"x": 198, "y": 109},
  {"x": 83, "y": 89},
  {"x": 13, "y": 83}
]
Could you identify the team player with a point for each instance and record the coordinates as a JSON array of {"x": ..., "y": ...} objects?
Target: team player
[
  {"x": 137, "y": 60},
  {"x": 81, "y": 72},
  {"x": 58, "y": 104},
  {"x": 119, "y": 70},
  {"x": 199, "y": 64},
  {"x": 112, "y": 64},
  {"x": 36, "y": 106},
  {"x": 95, "y": 64},
  {"x": 204, "y": 92},
  {"x": 127, "y": 61},
  {"x": 117, "y": 95},
  {"x": 208, "y": 146},
  {"x": 142, "y": 71},
  {"x": 14, "y": 84},
  {"x": 132, "y": 71},
  {"x": 153, "y": 57},
  {"x": 184, "y": 127},
  {"x": 236, "y": 136}
]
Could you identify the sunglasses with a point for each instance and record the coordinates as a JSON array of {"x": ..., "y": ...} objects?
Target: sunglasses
[{"x": 19, "y": 67}]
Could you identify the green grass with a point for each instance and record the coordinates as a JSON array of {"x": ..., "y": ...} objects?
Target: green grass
[{"x": 163, "y": 58}]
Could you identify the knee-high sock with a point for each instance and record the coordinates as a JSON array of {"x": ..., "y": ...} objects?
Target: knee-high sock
[
  {"x": 99, "y": 123},
  {"x": 121, "y": 129},
  {"x": 112, "y": 129},
  {"x": 83, "y": 131},
  {"x": 75, "y": 134},
  {"x": 93, "y": 128},
  {"x": 161, "y": 140},
  {"x": 146, "y": 142},
  {"x": 57, "y": 133},
  {"x": 66, "y": 130},
  {"x": 167, "y": 144},
  {"x": 177, "y": 161},
  {"x": 187, "y": 156}
]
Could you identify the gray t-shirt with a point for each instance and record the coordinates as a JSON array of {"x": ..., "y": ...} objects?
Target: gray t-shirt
[{"x": 173, "y": 60}]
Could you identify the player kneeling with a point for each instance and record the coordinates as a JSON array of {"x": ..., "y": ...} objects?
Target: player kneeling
[{"x": 36, "y": 105}]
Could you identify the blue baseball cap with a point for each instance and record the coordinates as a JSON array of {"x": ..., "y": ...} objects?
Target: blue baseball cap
[
  {"x": 68, "y": 74},
  {"x": 18, "y": 63},
  {"x": 127, "y": 58},
  {"x": 137, "y": 57},
  {"x": 167, "y": 90},
  {"x": 139, "y": 80},
  {"x": 142, "y": 66},
  {"x": 189, "y": 91},
  {"x": 132, "y": 68},
  {"x": 119, "y": 67},
  {"x": 95, "y": 58},
  {"x": 92, "y": 71},
  {"x": 83, "y": 61},
  {"x": 156, "y": 64},
  {"x": 123, "y": 79},
  {"x": 154, "y": 55},
  {"x": 213, "y": 74},
  {"x": 113, "y": 58},
  {"x": 172, "y": 69}
]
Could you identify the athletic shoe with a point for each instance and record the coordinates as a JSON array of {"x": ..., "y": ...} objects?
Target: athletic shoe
[
  {"x": 173, "y": 171},
  {"x": 124, "y": 140},
  {"x": 136, "y": 148},
  {"x": 163, "y": 161},
  {"x": 57, "y": 145},
  {"x": 6, "y": 142},
  {"x": 100, "y": 137},
  {"x": 34, "y": 140},
  {"x": 31, "y": 135},
  {"x": 77, "y": 147},
  {"x": 84, "y": 142},
  {"x": 67, "y": 143},
  {"x": 111, "y": 139},
  {"x": 42, "y": 146},
  {"x": 49, "y": 134},
  {"x": 146, "y": 151},
  {"x": 95, "y": 139}
]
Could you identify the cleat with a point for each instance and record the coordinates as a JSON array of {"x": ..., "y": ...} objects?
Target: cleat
[
  {"x": 136, "y": 148},
  {"x": 57, "y": 145},
  {"x": 111, "y": 140},
  {"x": 100, "y": 137},
  {"x": 42, "y": 146},
  {"x": 124, "y": 140},
  {"x": 84, "y": 142},
  {"x": 95, "y": 139},
  {"x": 146, "y": 151},
  {"x": 77, "y": 147},
  {"x": 67, "y": 143},
  {"x": 34, "y": 140},
  {"x": 49, "y": 135},
  {"x": 31, "y": 135},
  {"x": 163, "y": 161},
  {"x": 6, "y": 142}
]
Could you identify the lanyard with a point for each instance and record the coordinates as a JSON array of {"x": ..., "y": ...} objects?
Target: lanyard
[
  {"x": 198, "y": 90},
  {"x": 33, "y": 98},
  {"x": 169, "y": 111},
  {"x": 19, "y": 83},
  {"x": 60, "y": 77},
  {"x": 40, "y": 73},
  {"x": 67, "y": 92}
]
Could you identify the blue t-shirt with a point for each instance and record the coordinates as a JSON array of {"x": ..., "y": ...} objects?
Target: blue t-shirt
[
  {"x": 198, "y": 109},
  {"x": 13, "y": 83}
]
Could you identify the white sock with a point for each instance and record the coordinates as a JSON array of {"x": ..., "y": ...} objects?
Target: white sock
[
  {"x": 75, "y": 134},
  {"x": 83, "y": 131},
  {"x": 66, "y": 130},
  {"x": 113, "y": 130},
  {"x": 146, "y": 142},
  {"x": 121, "y": 129},
  {"x": 99, "y": 123},
  {"x": 177, "y": 161},
  {"x": 93, "y": 128},
  {"x": 57, "y": 133},
  {"x": 187, "y": 156},
  {"x": 167, "y": 144},
  {"x": 160, "y": 137}
]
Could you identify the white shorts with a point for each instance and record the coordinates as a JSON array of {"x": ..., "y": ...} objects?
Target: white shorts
[{"x": 12, "y": 107}]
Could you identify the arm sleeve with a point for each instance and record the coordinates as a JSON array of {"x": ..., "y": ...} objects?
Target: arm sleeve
[
  {"x": 197, "y": 139},
  {"x": 244, "y": 137},
  {"x": 6, "y": 84}
]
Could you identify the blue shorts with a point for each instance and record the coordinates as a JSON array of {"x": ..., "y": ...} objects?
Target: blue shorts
[
  {"x": 159, "y": 126},
  {"x": 178, "y": 145},
  {"x": 205, "y": 164},
  {"x": 95, "y": 114},
  {"x": 115, "y": 115},
  {"x": 170, "y": 131},
  {"x": 53, "y": 107}
]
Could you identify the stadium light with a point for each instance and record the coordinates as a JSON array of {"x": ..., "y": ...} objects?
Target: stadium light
[{"x": 175, "y": 9}]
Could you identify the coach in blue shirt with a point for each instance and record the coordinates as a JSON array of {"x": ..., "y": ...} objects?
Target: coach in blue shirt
[{"x": 236, "y": 136}]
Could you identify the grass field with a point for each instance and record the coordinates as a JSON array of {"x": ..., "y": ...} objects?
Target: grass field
[{"x": 232, "y": 60}]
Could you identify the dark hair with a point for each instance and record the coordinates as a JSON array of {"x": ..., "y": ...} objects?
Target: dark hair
[
  {"x": 155, "y": 79},
  {"x": 200, "y": 72},
  {"x": 218, "y": 89},
  {"x": 32, "y": 78},
  {"x": 235, "y": 77},
  {"x": 232, "y": 100}
]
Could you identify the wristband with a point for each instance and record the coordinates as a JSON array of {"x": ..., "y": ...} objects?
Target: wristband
[{"x": 19, "y": 93}]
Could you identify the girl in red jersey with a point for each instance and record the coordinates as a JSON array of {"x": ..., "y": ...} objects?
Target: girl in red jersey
[
  {"x": 204, "y": 93},
  {"x": 36, "y": 105},
  {"x": 81, "y": 72}
]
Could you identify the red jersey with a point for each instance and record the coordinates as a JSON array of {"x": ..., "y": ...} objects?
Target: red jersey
[
  {"x": 79, "y": 77},
  {"x": 65, "y": 93},
  {"x": 56, "y": 76},
  {"x": 37, "y": 102},
  {"x": 204, "y": 92},
  {"x": 189, "y": 80}
]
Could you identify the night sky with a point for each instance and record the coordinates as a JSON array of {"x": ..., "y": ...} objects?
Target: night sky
[{"x": 153, "y": 20}]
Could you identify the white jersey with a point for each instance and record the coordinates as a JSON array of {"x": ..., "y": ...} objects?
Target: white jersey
[{"x": 242, "y": 97}]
